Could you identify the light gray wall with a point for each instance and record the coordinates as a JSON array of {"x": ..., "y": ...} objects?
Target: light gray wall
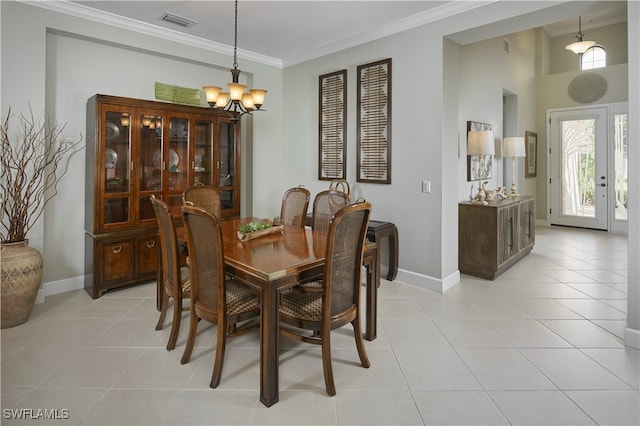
[
  {"x": 55, "y": 62},
  {"x": 486, "y": 72}
]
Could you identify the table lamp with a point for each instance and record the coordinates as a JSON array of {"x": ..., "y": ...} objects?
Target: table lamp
[
  {"x": 480, "y": 143},
  {"x": 514, "y": 147}
]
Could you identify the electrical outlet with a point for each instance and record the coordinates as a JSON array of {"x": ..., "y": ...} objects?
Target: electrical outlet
[{"x": 426, "y": 186}]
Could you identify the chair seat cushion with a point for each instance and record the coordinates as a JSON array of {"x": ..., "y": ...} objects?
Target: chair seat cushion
[
  {"x": 316, "y": 286},
  {"x": 240, "y": 298},
  {"x": 302, "y": 305}
]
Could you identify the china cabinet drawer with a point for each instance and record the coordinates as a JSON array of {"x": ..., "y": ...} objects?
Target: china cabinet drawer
[{"x": 117, "y": 261}]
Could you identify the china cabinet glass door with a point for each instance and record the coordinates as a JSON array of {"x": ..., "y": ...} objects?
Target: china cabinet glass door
[
  {"x": 151, "y": 178},
  {"x": 227, "y": 166},
  {"x": 176, "y": 162},
  {"x": 116, "y": 171},
  {"x": 203, "y": 160}
]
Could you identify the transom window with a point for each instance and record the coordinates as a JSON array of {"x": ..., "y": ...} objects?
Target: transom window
[{"x": 594, "y": 57}]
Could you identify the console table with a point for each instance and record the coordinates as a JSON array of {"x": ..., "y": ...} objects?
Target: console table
[{"x": 494, "y": 237}]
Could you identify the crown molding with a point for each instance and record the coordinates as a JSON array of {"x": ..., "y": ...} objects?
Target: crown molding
[
  {"x": 80, "y": 11},
  {"x": 432, "y": 15},
  {"x": 84, "y": 12}
]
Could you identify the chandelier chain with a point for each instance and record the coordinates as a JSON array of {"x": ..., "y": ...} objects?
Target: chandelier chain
[{"x": 235, "y": 40}]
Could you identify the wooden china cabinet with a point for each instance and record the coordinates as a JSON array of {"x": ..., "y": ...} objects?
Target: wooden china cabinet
[{"x": 138, "y": 148}]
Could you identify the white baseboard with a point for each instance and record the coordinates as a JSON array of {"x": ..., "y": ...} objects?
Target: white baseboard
[
  {"x": 542, "y": 222},
  {"x": 61, "y": 286},
  {"x": 632, "y": 338},
  {"x": 440, "y": 285}
]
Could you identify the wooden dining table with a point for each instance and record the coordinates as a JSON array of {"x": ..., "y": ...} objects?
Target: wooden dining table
[{"x": 273, "y": 264}]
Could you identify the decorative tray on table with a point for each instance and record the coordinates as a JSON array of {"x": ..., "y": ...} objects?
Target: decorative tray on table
[{"x": 252, "y": 230}]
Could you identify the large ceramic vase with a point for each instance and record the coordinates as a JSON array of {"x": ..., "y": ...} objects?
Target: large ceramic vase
[{"x": 20, "y": 281}]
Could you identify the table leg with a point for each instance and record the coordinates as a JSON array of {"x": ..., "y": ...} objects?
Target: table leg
[
  {"x": 269, "y": 344},
  {"x": 159, "y": 280},
  {"x": 393, "y": 254},
  {"x": 372, "y": 268}
]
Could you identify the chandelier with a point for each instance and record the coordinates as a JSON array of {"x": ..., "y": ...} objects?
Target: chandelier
[
  {"x": 236, "y": 99},
  {"x": 579, "y": 47}
]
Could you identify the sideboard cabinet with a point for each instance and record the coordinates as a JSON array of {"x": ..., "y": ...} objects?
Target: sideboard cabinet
[
  {"x": 492, "y": 238},
  {"x": 138, "y": 148}
]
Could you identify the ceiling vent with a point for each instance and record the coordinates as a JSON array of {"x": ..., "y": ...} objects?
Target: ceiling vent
[{"x": 178, "y": 20}]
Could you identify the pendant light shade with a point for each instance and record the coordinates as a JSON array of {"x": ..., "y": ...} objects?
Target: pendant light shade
[{"x": 580, "y": 46}]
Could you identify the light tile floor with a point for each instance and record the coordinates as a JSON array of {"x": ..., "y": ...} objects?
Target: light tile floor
[{"x": 540, "y": 345}]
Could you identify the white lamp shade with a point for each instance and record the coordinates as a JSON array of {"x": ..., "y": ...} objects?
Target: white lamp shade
[
  {"x": 480, "y": 142},
  {"x": 514, "y": 147},
  {"x": 580, "y": 46}
]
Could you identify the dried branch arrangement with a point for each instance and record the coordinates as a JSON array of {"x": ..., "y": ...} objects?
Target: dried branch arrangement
[{"x": 32, "y": 165}]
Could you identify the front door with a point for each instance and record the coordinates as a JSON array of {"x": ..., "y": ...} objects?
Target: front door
[{"x": 579, "y": 178}]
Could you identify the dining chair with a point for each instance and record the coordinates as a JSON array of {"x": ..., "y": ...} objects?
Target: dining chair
[
  {"x": 176, "y": 283},
  {"x": 295, "y": 203},
  {"x": 325, "y": 205},
  {"x": 341, "y": 185},
  {"x": 310, "y": 317},
  {"x": 232, "y": 306},
  {"x": 204, "y": 196}
]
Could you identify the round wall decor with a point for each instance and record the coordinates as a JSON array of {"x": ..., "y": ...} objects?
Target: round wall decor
[{"x": 587, "y": 88}]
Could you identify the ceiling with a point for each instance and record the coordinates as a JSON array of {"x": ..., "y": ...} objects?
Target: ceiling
[{"x": 283, "y": 33}]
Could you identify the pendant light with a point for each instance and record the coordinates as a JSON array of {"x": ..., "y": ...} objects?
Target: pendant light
[
  {"x": 580, "y": 46},
  {"x": 236, "y": 99}
]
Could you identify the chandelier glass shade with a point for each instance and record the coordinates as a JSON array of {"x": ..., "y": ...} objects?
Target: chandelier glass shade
[
  {"x": 236, "y": 99},
  {"x": 580, "y": 46}
]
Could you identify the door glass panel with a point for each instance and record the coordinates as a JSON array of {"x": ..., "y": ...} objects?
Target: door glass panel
[
  {"x": 116, "y": 210},
  {"x": 227, "y": 166},
  {"x": 177, "y": 160},
  {"x": 620, "y": 165},
  {"x": 578, "y": 168},
  {"x": 226, "y": 200},
  {"x": 203, "y": 159},
  {"x": 151, "y": 152},
  {"x": 117, "y": 152}
]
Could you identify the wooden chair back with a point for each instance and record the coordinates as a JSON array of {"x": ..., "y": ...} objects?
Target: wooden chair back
[
  {"x": 343, "y": 260},
  {"x": 204, "y": 196},
  {"x": 341, "y": 185},
  {"x": 168, "y": 244},
  {"x": 325, "y": 205},
  {"x": 206, "y": 259},
  {"x": 295, "y": 203}
]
